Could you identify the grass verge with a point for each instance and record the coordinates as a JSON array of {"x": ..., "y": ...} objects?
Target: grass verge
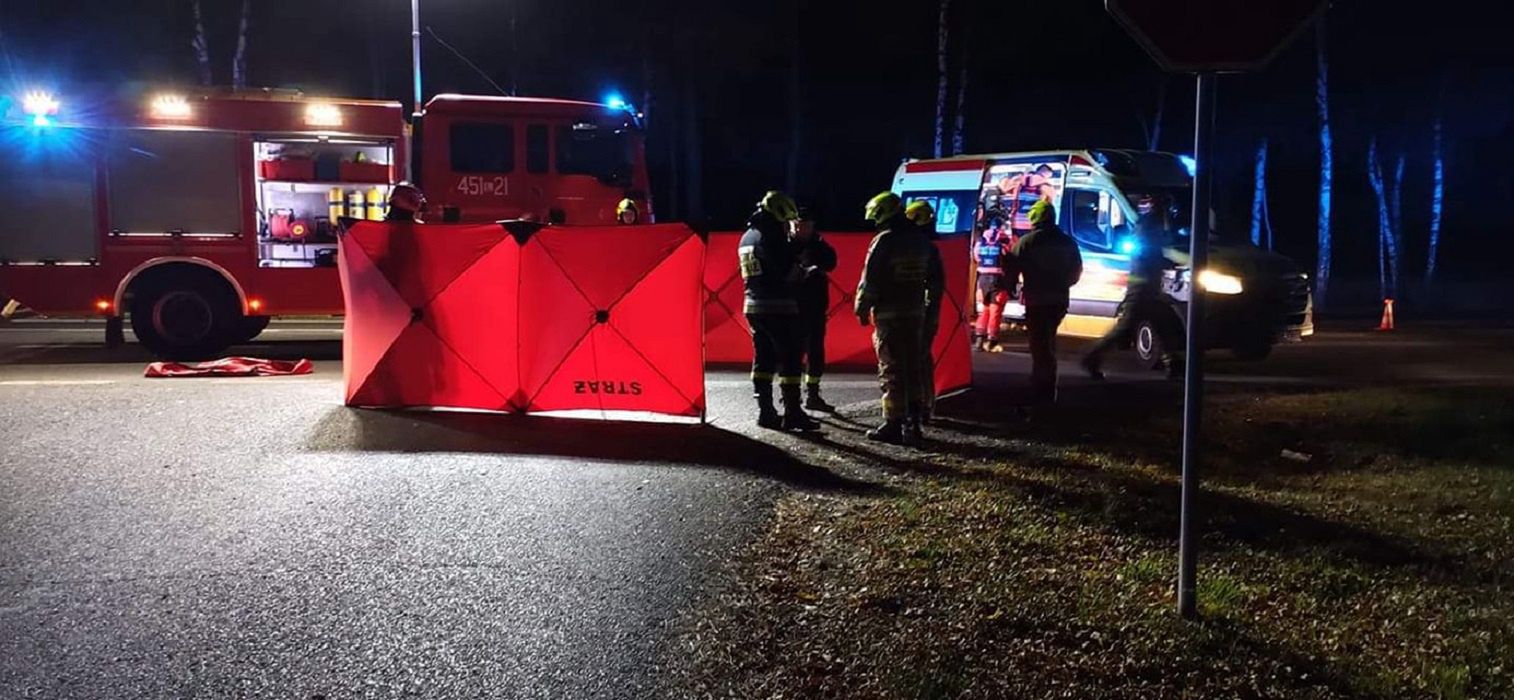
[{"x": 1374, "y": 561}]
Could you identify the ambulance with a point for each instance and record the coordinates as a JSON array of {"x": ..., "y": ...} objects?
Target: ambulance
[
  {"x": 1256, "y": 298},
  {"x": 200, "y": 214}
]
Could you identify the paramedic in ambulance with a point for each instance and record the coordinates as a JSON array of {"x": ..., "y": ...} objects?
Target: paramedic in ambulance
[
  {"x": 406, "y": 203},
  {"x": 993, "y": 288},
  {"x": 1018, "y": 194}
]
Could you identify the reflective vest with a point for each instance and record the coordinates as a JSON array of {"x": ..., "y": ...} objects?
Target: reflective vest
[{"x": 990, "y": 254}]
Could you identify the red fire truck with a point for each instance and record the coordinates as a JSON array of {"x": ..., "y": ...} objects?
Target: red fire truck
[{"x": 200, "y": 215}]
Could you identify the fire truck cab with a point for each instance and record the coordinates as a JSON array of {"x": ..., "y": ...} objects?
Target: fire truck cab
[
  {"x": 198, "y": 215},
  {"x": 1256, "y": 298}
]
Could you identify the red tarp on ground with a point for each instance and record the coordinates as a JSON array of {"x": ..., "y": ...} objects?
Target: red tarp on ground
[
  {"x": 569, "y": 318},
  {"x": 848, "y": 344},
  {"x": 230, "y": 367}
]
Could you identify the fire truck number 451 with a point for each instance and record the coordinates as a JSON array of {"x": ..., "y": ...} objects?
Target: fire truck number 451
[{"x": 483, "y": 185}]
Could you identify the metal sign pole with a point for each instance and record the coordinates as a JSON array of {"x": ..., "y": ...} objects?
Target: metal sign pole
[
  {"x": 1193, "y": 386},
  {"x": 415, "y": 52}
]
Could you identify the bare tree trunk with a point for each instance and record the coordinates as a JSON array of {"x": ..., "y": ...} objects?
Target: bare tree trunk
[
  {"x": 1154, "y": 141},
  {"x": 201, "y": 46},
  {"x": 942, "y": 77},
  {"x": 1437, "y": 200},
  {"x": 796, "y": 104},
  {"x": 239, "y": 61},
  {"x": 1259, "y": 195},
  {"x": 1396, "y": 236},
  {"x": 1326, "y": 167},
  {"x": 959, "y": 136},
  {"x": 1384, "y": 218}
]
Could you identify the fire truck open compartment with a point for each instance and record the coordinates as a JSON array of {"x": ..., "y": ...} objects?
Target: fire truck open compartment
[{"x": 304, "y": 184}]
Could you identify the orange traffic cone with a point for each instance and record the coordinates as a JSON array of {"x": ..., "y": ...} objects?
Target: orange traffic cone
[{"x": 1387, "y": 322}]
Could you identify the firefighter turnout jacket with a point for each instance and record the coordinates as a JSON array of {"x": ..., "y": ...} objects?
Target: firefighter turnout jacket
[
  {"x": 902, "y": 275},
  {"x": 769, "y": 267}
]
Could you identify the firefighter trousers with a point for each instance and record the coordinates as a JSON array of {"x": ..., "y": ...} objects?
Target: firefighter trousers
[
  {"x": 928, "y": 327},
  {"x": 777, "y": 349},
  {"x": 897, "y": 341}
]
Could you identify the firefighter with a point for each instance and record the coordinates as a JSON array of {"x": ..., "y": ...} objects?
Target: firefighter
[
  {"x": 817, "y": 259},
  {"x": 1049, "y": 262},
  {"x": 1143, "y": 297},
  {"x": 992, "y": 288},
  {"x": 406, "y": 203},
  {"x": 627, "y": 213},
  {"x": 901, "y": 275},
  {"x": 770, "y": 271},
  {"x": 923, "y": 215}
]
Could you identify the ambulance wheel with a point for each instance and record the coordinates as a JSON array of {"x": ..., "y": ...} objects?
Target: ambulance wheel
[
  {"x": 187, "y": 318},
  {"x": 1148, "y": 343},
  {"x": 249, "y": 327}
]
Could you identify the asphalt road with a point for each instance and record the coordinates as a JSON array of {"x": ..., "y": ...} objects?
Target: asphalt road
[{"x": 253, "y": 537}]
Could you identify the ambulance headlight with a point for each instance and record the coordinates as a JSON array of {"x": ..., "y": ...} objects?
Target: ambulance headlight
[{"x": 1219, "y": 283}]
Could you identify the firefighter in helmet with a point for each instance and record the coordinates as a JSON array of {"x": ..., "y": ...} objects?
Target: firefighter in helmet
[
  {"x": 627, "y": 213},
  {"x": 406, "y": 203},
  {"x": 1050, "y": 264},
  {"x": 900, "y": 277},
  {"x": 771, "y": 274},
  {"x": 923, "y": 215}
]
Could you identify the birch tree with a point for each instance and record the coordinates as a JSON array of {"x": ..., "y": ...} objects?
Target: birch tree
[
  {"x": 1259, "y": 216},
  {"x": 239, "y": 61},
  {"x": 1326, "y": 166},
  {"x": 201, "y": 46},
  {"x": 959, "y": 138},
  {"x": 1437, "y": 199},
  {"x": 1387, "y": 212},
  {"x": 942, "y": 77}
]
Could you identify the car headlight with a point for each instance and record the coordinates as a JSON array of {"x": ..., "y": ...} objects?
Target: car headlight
[{"x": 1219, "y": 283}]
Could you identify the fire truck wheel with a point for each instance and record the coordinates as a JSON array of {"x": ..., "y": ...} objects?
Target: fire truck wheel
[
  {"x": 249, "y": 327},
  {"x": 187, "y": 319}
]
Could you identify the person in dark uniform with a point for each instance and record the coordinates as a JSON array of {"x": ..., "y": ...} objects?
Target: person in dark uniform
[
  {"x": 902, "y": 273},
  {"x": 817, "y": 259},
  {"x": 1048, "y": 261},
  {"x": 1143, "y": 299},
  {"x": 770, "y": 271}
]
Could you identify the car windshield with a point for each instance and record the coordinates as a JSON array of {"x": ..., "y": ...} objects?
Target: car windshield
[{"x": 603, "y": 150}]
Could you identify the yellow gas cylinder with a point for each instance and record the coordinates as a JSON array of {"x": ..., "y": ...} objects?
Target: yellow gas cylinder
[
  {"x": 376, "y": 204},
  {"x": 335, "y": 204},
  {"x": 357, "y": 206}
]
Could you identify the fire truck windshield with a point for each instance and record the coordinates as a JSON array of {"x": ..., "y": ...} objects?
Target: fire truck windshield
[{"x": 604, "y": 150}]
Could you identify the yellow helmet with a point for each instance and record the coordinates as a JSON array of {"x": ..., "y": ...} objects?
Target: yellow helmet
[
  {"x": 1041, "y": 211},
  {"x": 883, "y": 207},
  {"x": 920, "y": 212},
  {"x": 626, "y": 212},
  {"x": 780, "y": 205}
]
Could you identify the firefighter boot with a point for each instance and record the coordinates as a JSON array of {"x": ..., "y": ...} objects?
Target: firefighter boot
[
  {"x": 891, "y": 432},
  {"x": 814, "y": 402},
  {"x": 767, "y": 416},
  {"x": 794, "y": 417},
  {"x": 912, "y": 434}
]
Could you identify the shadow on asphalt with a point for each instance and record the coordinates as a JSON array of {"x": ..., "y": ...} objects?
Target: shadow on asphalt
[{"x": 366, "y": 430}]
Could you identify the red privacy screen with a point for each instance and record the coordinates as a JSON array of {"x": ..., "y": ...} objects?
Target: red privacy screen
[
  {"x": 565, "y": 318},
  {"x": 847, "y": 343}
]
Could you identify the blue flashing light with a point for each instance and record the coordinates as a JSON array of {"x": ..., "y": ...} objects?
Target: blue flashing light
[
  {"x": 1129, "y": 246},
  {"x": 1191, "y": 164},
  {"x": 41, "y": 120},
  {"x": 615, "y": 101}
]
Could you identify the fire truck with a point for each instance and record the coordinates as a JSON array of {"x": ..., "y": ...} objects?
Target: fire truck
[{"x": 199, "y": 215}]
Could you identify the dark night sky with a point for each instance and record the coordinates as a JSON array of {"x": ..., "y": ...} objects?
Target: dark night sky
[{"x": 1042, "y": 75}]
